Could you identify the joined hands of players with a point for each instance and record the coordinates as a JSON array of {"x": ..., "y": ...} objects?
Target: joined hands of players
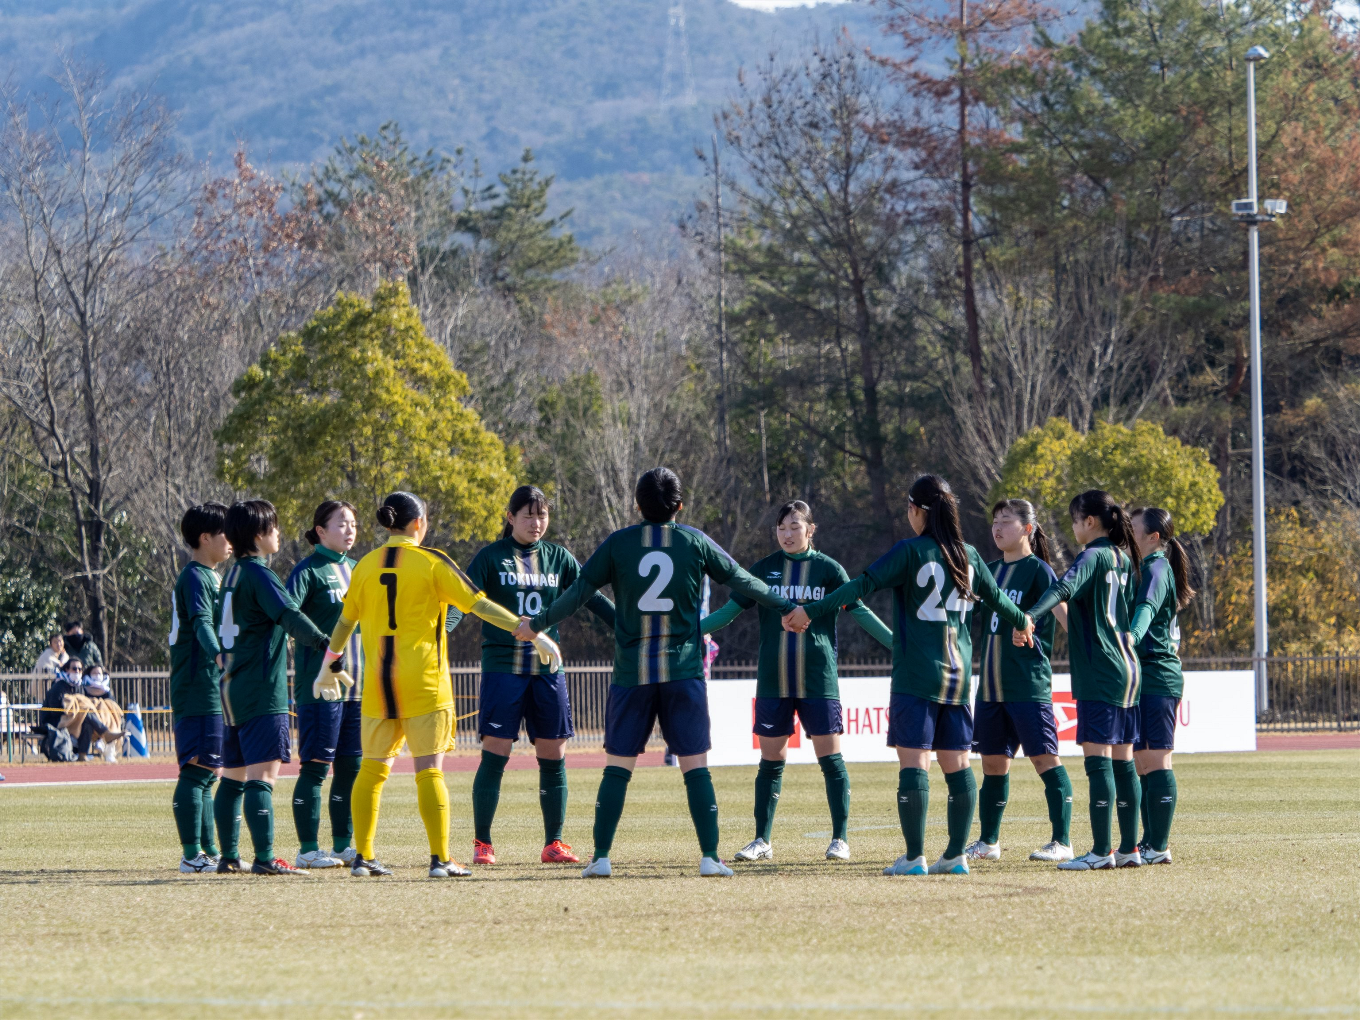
[
  {"x": 332, "y": 682},
  {"x": 797, "y": 621},
  {"x": 1024, "y": 638},
  {"x": 548, "y": 652}
]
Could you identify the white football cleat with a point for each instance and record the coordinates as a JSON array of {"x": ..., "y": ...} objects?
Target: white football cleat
[
  {"x": 198, "y": 865},
  {"x": 1088, "y": 862},
  {"x": 905, "y": 865},
  {"x": 1151, "y": 856},
  {"x": 756, "y": 850},
  {"x": 598, "y": 868},
  {"x": 1133, "y": 860},
  {"x": 980, "y": 851},
  {"x": 1053, "y": 852},
  {"x": 950, "y": 866},
  {"x": 317, "y": 859},
  {"x": 710, "y": 868},
  {"x": 347, "y": 856},
  {"x": 839, "y": 850}
]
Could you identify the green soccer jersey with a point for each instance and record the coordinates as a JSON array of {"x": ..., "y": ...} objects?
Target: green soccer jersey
[
  {"x": 318, "y": 585},
  {"x": 1010, "y": 673},
  {"x": 657, "y": 572},
  {"x": 525, "y": 579},
  {"x": 1095, "y": 588},
  {"x": 1156, "y": 630},
  {"x": 193, "y": 644},
  {"x": 932, "y": 647},
  {"x": 255, "y": 615},
  {"x": 798, "y": 665}
]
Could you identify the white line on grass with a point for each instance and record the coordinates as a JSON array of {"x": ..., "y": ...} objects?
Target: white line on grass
[{"x": 29, "y": 784}]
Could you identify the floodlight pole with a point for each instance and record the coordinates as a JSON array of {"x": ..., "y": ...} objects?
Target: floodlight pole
[{"x": 1258, "y": 479}]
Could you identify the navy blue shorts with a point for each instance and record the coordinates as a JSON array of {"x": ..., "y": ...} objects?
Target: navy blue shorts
[
  {"x": 1102, "y": 723},
  {"x": 819, "y": 716},
  {"x": 199, "y": 736},
  {"x": 541, "y": 701},
  {"x": 1157, "y": 723},
  {"x": 1002, "y": 727},
  {"x": 681, "y": 706},
  {"x": 929, "y": 725},
  {"x": 328, "y": 730},
  {"x": 264, "y": 738}
]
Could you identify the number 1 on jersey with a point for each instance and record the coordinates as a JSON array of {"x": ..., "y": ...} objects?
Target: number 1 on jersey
[{"x": 389, "y": 581}]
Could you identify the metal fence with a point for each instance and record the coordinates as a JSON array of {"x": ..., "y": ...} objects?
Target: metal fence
[{"x": 1305, "y": 693}]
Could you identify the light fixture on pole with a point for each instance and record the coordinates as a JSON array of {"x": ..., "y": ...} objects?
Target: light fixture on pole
[{"x": 1245, "y": 211}]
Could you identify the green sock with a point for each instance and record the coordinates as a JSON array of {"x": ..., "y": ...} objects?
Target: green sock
[
  {"x": 227, "y": 815},
  {"x": 963, "y": 792},
  {"x": 1100, "y": 774},
  {"x": 703, "y": 808},
  {"x": 259, "y": 812},
  {"x": 207, "y": 837},
  {"x": 343, "y": 773},
  {"x": 1143, "y": 811},
  {"x": 769, "y": 780},
  {"x": 486, "y": 793},
  {"x": 1160, "y": 790},
  {"x": 1128, "y": 796},
  {"x": 1058, "y": 793},
  {"x": 609, "y": 807},
  {"x": 552, "y": 796},
  {"x": 187, "y": 805},
  {"x": 913, "y": 800},
  {"x": 307, "y": 803},
  {"x": 837, "y": 781},
  {"x": 996, "y": 790}
]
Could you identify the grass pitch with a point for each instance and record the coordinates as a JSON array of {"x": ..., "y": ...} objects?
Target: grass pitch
[{"x": 1259, "y": 915}]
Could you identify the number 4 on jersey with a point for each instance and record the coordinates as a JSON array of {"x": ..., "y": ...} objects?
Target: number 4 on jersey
[{"x": 228, "y": 630}]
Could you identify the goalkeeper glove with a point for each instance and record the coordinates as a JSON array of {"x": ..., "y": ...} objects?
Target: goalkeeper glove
[
  {"x": 332, "y": 682},
  {"x": 548, "y": 652}
]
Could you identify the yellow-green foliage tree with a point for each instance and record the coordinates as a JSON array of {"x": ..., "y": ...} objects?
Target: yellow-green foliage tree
[
  {"x": 1139, "y": 466},
  {"x": 357, "y": 403}
]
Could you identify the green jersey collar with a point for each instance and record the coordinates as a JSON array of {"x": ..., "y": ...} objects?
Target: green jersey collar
[
  {"x": 329, "y": 555},
  {"x": 1103, "y": 540},
  {"x": 1158, "y": 555},
  {"x": 531, "y": 547},
  {"x": 252, "y": 558},
  {"x": 807, "y": 555}
]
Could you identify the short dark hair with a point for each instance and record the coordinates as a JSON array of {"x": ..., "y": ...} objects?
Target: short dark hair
[
  {"x": 204, "y": 519},
  {"x": 247, "y": 521},
  {"x": 658, "y": 494},
  {"x": 71, "y": 626}
]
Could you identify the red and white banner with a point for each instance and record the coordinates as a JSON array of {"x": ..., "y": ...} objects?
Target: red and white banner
[{"x": 1217, "y": 713}]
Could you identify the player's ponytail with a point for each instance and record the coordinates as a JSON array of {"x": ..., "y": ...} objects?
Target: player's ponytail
[
  {"x": 932, "y": 494},
  {"x": 1023, "y": 511},
  {"x": 323, "y": 515},
  {"x": 400, "y": 510},
  {"x": 526, "y": 495},
  {"x": 1113, "y": 518},
  {"x": 1157, "y": 521},
  {"x": 658, "y": 495}
]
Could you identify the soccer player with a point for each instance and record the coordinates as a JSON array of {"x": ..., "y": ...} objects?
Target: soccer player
[
  {"x": 524, "y": 574},
  {"x": 328, "y": 730},
  {"x": 1105, "y": 673},
  {"x": 935, "y": 578},
  {"x": 1015, "y": 706},
  {"x": 255, "y": 616},
  {"x": 796, "y": 672},
  {"x": 195, "y": 700},
  {"x": 1163, "y": 590},
  {"x": 657, "y": 570},
  {"x": 399, "y": 593}
]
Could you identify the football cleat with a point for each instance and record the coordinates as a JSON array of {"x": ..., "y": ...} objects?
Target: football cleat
[
  {"x": 278, "y": 866},
  {"x": 228, "y": 865},
  {"x": 980, "y": 851},
  {"x": 1151, "y": 856},
  {"x": 447, "y": 869},
  {"x": 950, "y": 866},
  {"x": 905, "y": 865},
  {"x": 598, "y": 868},
  {"x": 198, "y": 864},
  {"x": 483, "y": 853},
  {"x": 346, "y": 856},
  {"x": 558, "y": 852},
  {"x": 710, "y": 867},
  {"x": 1052, "y": 852},
  {"x": 1088, "y": 862},
  {"x": 368, "y": 869},
  {"x": 317, "y": 859},
  {"x": 1133, "y": 860},
  {"x": 838, "y": 850},
  {"x": 756, "y": 850}
]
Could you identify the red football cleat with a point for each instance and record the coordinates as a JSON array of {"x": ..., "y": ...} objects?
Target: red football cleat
[
  {"x": 558, "y": 852},
  {"x": 483, "y": 853}
]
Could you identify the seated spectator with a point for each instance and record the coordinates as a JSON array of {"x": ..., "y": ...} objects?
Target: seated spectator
[
  {"x": 53, "y": 657},
  {"x": 67, "y": 705},
  {"x": 81, "y": 645},
  {"x": 106, "y": 711}
]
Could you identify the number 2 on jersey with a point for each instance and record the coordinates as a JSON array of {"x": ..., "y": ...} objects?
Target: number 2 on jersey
[
  {"x": 935, "y": 607},
  {"x": 651, "y": 602}
]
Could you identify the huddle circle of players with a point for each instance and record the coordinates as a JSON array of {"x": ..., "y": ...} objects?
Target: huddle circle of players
[{"x": 383, "y": 621}]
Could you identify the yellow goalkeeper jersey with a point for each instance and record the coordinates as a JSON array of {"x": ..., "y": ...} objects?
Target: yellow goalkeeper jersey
[{"x": 398, "y": 595}]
